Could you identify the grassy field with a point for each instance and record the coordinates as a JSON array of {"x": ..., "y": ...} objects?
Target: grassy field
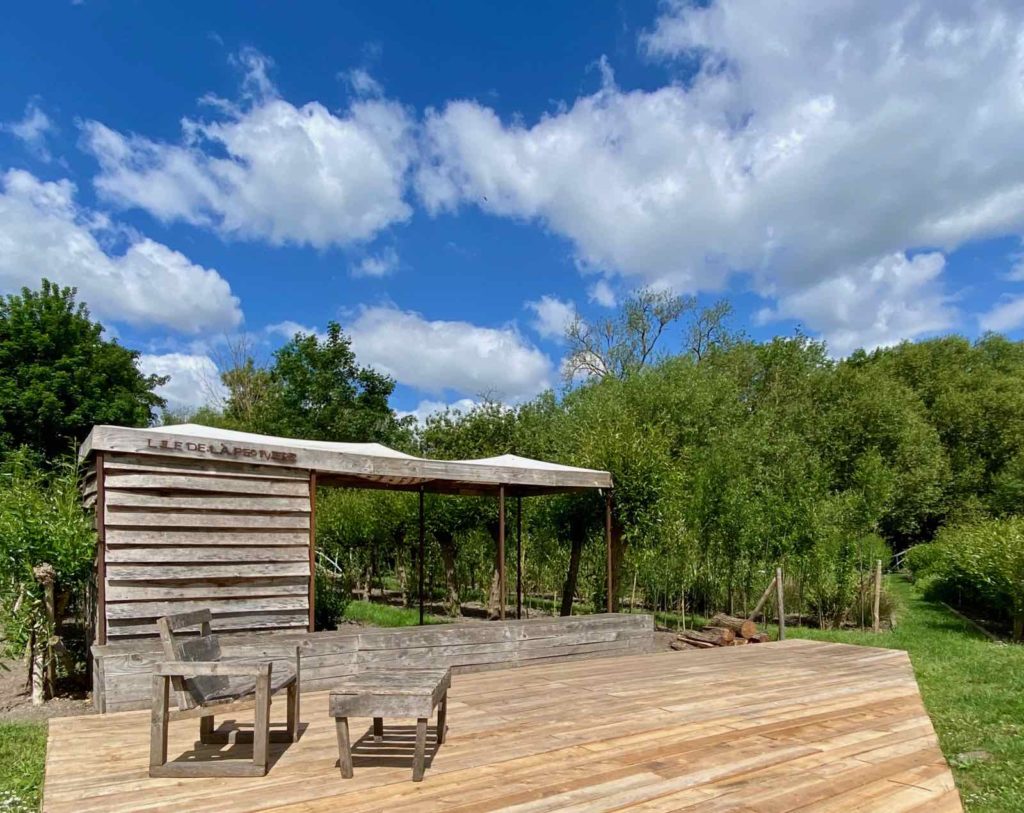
[
  {"x": 22, "y": 754},
  {"x": 384, "y": 615},
  {"x": 973, "y": 689}
]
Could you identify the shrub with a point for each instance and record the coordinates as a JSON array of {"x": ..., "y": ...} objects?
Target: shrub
[
  {"x": 41, "y": 522},
  {"x": 986, "y": 560},
  {"x": 922, "y": 560}
]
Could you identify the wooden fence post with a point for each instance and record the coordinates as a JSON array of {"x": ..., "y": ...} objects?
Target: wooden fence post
[
  {"x": 877, "y": 623},
  {"x": 782, "y": 610},
  {"x": 764, "y": 597}
]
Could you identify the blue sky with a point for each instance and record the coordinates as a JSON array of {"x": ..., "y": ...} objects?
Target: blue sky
[{"x": 451, "y": 181}]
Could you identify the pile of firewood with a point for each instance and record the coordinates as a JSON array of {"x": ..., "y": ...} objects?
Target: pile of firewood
[{"x": 724, "y": 630}]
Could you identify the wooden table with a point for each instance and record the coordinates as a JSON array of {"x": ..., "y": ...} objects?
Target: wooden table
[{"x": 380, "y": 693}]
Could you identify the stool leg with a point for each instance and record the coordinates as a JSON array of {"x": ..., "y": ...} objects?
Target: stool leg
[
  {"x": 378, "y": 729},
  {"x": 344, "y": 748},
  {"x": 442, "y": 718},
  {"x": 421, "y": 748}
]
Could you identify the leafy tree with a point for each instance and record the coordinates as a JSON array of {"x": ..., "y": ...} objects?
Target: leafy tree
[{"x": 59, "y": 376}]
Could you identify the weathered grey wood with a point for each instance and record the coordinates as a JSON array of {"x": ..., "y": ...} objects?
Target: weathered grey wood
[
  {"x": 204, "y": 571},
  {"x": 156, "y": 609},
  {"x": 378, "y": 728},
  {"x": 200, "y": 537},
  {"x": 328, "y": 657},
  {"x": 344, "y": 747},
  {"x": 158, "y": 722},
  {"x": 876, "y": 621},
  {"x": 269, "y": 587},
  {"x": 261, "y": 729},
  {"x": 442, "y": 719},
  {"x": 148, "y": 519},
  {"x": 149, "y": 554},
  {"x": 780, "y": 590},
  {"x": 215, "y": 468},
  {"x": 285, "y": 487},
  {"x": 254, "y": 622},
  {"x": 421, "y": 747},
  {"x": 185, "y": 500}
]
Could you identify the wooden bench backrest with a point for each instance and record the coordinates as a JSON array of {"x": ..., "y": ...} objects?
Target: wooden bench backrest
[{"x": 191, "y": 692}]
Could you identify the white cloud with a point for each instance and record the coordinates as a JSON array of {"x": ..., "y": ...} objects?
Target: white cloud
[
  {"x": 1007, "y": 315},
  {"x": 194, "y": 379},
  {"x": 287, "y": 330},
  {"x": 440, "y": 356},
  {"x": 381, "y": 264},
  {"x": 424, "y": 409},
  {"x": 552, "y": 316},
  {"x": 32, "y": 130},
  {"x": 362, "y": 83},
  {"x": 266, "y": 169},
  {"x": 44, "y": 233},
  {"x": 601, "y": 293},
  {"x": 873, "y": 305},
  {"x": 817, "y": 138}
]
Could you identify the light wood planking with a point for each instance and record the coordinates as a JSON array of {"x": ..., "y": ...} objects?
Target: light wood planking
[
  {"x": 181, "y": 531},
  {"x": 823, "y": 727}
]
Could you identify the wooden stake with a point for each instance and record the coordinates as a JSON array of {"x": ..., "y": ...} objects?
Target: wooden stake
[
  {"x": 779, "y": 584},
  {"x": 876, "y": 627},
  {"x": 764, "y": 597}
]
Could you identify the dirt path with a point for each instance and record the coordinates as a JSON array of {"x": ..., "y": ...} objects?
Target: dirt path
[{"x": 16, "y": 702}]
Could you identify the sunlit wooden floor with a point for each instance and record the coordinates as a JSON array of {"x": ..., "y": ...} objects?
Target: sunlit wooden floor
[{"x": 774, "y": 727}]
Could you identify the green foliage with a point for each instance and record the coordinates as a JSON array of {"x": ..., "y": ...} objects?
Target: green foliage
[
  {"x": 22, "y": 760},
  {"x": 985, "y": 560},
  {"x": 383, "y": 615},
  {"x": 921, "y": 560},
  {"x": 41, "y": 521},
  {"x": 59, "y": 376},
  {"x": 314, "y": 389}
]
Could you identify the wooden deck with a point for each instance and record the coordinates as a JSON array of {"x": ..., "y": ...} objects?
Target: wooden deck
[{"x": 775, "y": 727}]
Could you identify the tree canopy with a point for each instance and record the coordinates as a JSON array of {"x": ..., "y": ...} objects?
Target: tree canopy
[{"x": 59, "y": 376}]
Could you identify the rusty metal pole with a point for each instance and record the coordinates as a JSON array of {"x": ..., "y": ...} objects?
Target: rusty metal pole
[
  {"x": 608, "y": 544},
  {"x": 501, "y": 552},
  {"x": 419, "y": 558},
  {"x": 519, "y": 557}
]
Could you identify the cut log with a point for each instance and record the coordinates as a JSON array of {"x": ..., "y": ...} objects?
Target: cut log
[
  {"x": 727, "y": 635},
  {"x": 707, "y": 637},
  {"x": 682, "y": 645},
  {"x": 739, "y": 642},
  {"x": 760, "y": 638},
  {"x": 743, "y": 627}
]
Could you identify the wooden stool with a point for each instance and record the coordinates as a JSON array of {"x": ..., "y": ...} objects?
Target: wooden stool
[{"x": 380, "y": 693}]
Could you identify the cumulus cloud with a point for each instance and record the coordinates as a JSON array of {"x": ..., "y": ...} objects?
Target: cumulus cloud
[
  {"x": 44, "y": 233},
  {"x": 601, "y": 293},
  {"x": 552, "y": 316},
  {"x": 877, "y": 304},
  {"x": 439, "y": 356},
  {"x": 1005, "y": 316},
  {"x": 288, "y": 329},
  {"x": 378, "y": 265},
  {"x": 265, "y": 169},
  {"x": 32, "y": 130},
  {"x": 815, "y": 138},
  {"x": 194, "y": 379}
]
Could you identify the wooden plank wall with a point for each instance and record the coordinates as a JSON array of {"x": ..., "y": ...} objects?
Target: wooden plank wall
[
  {"x": 183, "y": 534},
  {"x": 123, "y": 669}
]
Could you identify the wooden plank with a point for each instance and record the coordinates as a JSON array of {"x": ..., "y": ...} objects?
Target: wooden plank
[
  {"x": 211, "y": 502},
  {"x": 204, "y": 571},
  {"x": 261, "y": 620},
  {"x": 214, "y": 468},
  {"x": 140, "y": 609},
  {"x": 203, "y": 537},
  {"x": 250, "y": 588},
  {"x": 158, "y": 554},
  {"x": 150, "y": 519},
  {"x": 226, "y": 485}
]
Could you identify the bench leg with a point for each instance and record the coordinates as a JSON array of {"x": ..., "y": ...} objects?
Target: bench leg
[
  {"x": 442, "y": 719},
  {"x": 206, "y": 727},
  {"x": 344, "y": 748},
  {"x": 261, "y": 728},
  {"x": 421, "y": 749},
  {"x": 158, "y": 722},
  {"x": 292, "y": 731},
  {"x": 378, "y": 729}
]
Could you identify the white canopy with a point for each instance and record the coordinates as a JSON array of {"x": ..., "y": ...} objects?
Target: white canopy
[{"x": 366, "y": 465}]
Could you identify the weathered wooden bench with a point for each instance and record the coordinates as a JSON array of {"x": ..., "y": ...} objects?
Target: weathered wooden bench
[
  {"x": 380, "y": 693},
  {"x": 207, "y": 684}
]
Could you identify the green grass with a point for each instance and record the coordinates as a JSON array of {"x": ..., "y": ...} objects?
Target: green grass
[
  {"x": 972, "y": 687},
  {"x": 384, "y": 615},
  {"x": 22, "y": 758}
]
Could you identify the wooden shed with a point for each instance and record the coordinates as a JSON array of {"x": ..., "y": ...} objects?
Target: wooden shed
[{"x": 191, "y": 516}]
